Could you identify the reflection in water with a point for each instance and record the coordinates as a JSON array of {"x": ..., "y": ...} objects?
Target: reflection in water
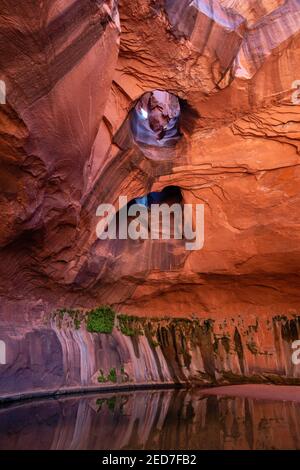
[{"x": 166, "y": 420}]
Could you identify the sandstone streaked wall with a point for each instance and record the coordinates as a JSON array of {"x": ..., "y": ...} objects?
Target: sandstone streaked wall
[
  {"x": 73, "y": 75},
  {"x": 55, "y": 356}
]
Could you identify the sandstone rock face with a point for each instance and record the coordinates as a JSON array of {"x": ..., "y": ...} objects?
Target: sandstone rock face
[
  {"x": 74, "y": 70},
  {"x": 59, "y": 355}
]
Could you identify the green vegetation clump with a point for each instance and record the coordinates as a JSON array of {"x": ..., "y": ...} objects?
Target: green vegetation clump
[
  {"x": 124, "y": 375},
  {"x": 102, "y": 378},
  {"x": 130, "y": 325},
  {"x": 151, "y": 334},
  {"x": 60, "y": 313},
  {"x": 112, "y": 376},
  {"x": 75, "y": 315},
  {"x": 153, "y": 343},
  {"x": 101, "y": 320}
]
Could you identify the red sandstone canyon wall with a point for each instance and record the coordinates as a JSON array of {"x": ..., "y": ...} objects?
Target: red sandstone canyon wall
[
  {"x": 59, "y": 355},
  {"x": 73, "y": 72},
  {"x": 72, "y": 75}
]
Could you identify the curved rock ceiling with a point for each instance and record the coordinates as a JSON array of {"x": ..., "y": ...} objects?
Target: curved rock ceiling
[{"x": 74, "y": 70}]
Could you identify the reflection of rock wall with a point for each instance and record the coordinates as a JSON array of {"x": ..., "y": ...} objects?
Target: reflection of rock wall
[
  {"x": 55, "y": 356},
  {"x": 151, "y": 420}
]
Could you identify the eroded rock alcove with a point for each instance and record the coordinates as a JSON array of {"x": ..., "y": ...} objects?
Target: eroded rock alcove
[{"x": 214, "y": 82}]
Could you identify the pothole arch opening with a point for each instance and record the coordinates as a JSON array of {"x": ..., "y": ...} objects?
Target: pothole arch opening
[
  {"x": 169, "y": 196},
  {"x": 155, "y": 119}
]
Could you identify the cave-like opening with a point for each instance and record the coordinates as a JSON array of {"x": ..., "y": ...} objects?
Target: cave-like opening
[
  {"x": 155, "y": 119},
  {"x": 169, "y": 195}
]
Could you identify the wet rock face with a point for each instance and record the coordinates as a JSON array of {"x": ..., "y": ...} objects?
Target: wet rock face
[
  {"x": 59, "y": 354},
  {"x": 73, "y": 80}
]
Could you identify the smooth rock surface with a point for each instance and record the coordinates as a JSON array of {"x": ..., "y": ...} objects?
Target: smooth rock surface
[
  {"x": 56, "y": 355},
  {"x": 151, "y": 420}
]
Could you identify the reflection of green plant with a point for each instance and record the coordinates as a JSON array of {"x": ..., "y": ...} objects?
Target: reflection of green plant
[
  {"x": 99, "y": 403},
  {"x": 101, "y": 320},
  {"x": 110, "y": 402},
  {"x": 130, "y": 325}
]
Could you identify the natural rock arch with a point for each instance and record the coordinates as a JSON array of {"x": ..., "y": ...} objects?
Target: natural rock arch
[{"x": 155, "y": 119}]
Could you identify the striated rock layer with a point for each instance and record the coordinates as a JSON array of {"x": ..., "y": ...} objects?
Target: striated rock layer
[
  {"x": 73, "y": 72},
  {"x": 59, "y": 355}
]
